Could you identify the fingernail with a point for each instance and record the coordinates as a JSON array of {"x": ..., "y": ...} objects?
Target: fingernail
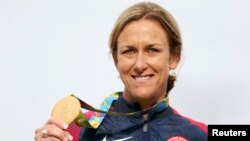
[
  {"x": 65, "y": 126},
  {"x": 65, "y": 139},
  {"x": 70, "y": 137}
]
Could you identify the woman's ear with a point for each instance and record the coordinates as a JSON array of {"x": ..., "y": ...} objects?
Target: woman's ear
[
  {"x": 175, "y": 56},
  {"x": 174, "y": 61}
]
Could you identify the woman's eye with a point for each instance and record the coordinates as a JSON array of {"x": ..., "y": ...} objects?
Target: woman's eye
[
  {"x": 152, "y": 50},
  {"x": 129, "y": 51}
]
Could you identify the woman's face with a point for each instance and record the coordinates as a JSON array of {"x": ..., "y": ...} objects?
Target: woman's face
[{"x": 143, "y": 60}]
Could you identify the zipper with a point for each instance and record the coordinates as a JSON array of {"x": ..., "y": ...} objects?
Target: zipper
[
  {"x": 145, "y": 127},
  {"x": 145, "y": 133}
]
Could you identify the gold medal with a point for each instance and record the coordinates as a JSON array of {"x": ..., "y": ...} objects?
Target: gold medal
[{"x": 66, "y": 109}]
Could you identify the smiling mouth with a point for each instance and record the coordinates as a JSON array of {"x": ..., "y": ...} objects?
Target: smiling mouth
[{"x": 142, "y": 78}]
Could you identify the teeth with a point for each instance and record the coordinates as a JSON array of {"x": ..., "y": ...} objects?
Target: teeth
[{"x": 142, "y": 77}]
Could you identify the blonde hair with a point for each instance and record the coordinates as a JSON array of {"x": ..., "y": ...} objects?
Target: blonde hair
[{"x": 150, "y": 11}]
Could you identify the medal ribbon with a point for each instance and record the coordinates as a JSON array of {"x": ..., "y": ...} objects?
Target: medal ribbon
[{"x": 99, "y": 114}]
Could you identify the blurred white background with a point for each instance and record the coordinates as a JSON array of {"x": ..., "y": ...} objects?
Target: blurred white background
[{"x": 50, "y": 49}]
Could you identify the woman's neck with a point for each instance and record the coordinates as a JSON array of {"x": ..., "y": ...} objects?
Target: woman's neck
[{"x": 144, "y": 103}]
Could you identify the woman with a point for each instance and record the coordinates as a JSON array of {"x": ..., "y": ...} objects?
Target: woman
[{"x": 146, "y": 47}]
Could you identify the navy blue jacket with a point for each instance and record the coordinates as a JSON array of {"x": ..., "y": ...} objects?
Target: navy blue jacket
[{"x": 163, "y": 125}]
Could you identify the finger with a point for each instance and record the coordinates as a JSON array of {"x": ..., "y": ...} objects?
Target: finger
[
  {"x": 54, "y": 131},
  {"x": 70, "y": 137},
  {"x": 37, "y": 138},
  {"x": 38, "y": 134},
  {"x": 53, "y": 139},
  {"x": 59, "y": 123}
]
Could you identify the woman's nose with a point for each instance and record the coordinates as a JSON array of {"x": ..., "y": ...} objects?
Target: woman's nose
[{"x": 140, "y": 63}]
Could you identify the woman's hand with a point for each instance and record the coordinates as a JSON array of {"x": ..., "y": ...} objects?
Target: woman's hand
[{"x": 53, "y": 130}]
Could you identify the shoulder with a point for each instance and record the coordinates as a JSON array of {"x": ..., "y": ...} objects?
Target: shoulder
[{"x": 200, "y": 125}]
